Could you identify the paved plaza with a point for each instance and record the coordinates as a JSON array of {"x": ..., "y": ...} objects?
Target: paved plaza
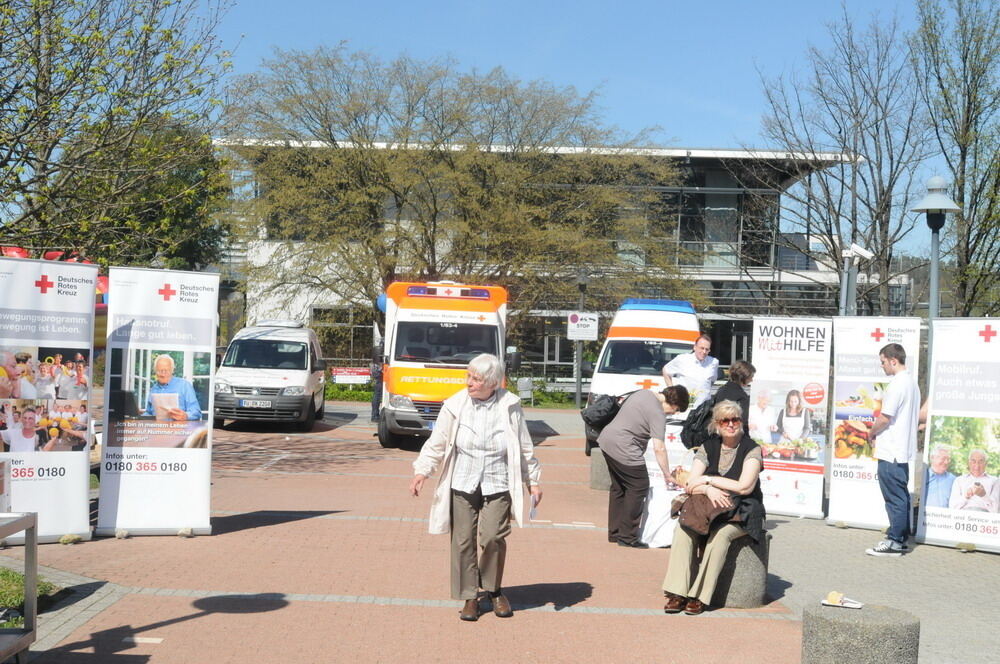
[{"x": 318, "y": 554}]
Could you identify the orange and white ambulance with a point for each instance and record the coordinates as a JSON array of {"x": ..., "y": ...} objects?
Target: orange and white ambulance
[
  {"x": 432, "y": 330},
  {"x": 644, "y": 335}
]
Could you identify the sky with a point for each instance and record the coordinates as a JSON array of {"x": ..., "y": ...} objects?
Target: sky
[{"x": 692, "y": 69}]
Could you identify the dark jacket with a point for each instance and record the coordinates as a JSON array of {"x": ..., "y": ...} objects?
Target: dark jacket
[{"x": 735, "y": 392}]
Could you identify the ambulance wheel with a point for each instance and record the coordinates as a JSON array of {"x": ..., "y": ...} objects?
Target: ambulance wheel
[{"x": 385, "y": 437}]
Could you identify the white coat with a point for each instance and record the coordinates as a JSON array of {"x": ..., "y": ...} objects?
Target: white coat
[{"x": 523, "y": 470}]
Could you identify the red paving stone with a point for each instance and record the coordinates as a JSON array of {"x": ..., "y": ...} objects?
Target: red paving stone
[{"x": 332, "y": 517}]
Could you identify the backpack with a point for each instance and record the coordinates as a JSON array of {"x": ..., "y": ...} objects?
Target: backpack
[
  {"x": 602, "y": 409},
  {"x": 694, "y": 431}
]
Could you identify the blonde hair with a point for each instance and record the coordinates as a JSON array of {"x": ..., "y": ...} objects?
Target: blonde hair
[{"x": 722, "y": 410}]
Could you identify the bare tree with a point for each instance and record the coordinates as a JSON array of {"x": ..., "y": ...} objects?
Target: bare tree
[
  {"x": 855, "y": 107},
  {"x": 957, "y": 53}
]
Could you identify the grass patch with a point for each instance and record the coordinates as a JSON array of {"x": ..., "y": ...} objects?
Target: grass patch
[
  {"x": 346, "y": 392},
  {"x": 95, "y": 481},
  {"x": 12, "y": 594}
]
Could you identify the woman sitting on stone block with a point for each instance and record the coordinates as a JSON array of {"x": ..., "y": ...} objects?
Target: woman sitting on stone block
[{"x": 727, "y": 470}]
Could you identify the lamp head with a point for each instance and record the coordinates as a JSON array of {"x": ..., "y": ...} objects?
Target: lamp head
[{"x": 936, "y": 203}]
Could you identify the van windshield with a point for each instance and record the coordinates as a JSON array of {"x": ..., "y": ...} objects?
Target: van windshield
[
  {"x": 639, "y": 358},
  {"x": 266, "y": 354},
  {"x": 443, "y": 342}
]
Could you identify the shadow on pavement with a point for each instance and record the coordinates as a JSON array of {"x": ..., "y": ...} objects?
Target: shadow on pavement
[
  {"x": 560, "y": 595},
  {"x": 540, "y": 430},
  {"x": 252, "y": 426},
  {"x": 776, "y": 586},
  {"x": 222, "y": 525},
  {"x": 107, "y": 645}
]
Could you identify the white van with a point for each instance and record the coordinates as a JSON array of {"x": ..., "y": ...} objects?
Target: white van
[
  {"x": 271, "y": 371},
  {"x": 644, "y": 335}
]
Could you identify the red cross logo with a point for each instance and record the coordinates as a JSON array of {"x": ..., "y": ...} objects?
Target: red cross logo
[
  {"x": 987, "y": 333},
  {"x": 448, "y": 292},
  {"x": 646, "y": 384},
  {"x": 167, "y": 292},
  {"x": 878, "y": 334},
  {"x": 481, "y": 318},
  {"x": 672, "y": 437},
  {"x": 44, "y": 284}
]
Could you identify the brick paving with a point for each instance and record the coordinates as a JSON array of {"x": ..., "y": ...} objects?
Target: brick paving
[{"x": 318, "y": 554}]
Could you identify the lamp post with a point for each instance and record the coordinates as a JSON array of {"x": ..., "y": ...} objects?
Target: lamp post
[
  {"x": 935, "y": 204},
  {"x": 581, "y": 283}
]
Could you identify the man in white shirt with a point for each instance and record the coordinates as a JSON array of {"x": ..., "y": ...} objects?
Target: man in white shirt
[
  {"x": 763, "y": 419},
  {"x": 975, "y": 491},
  {"x": 696, "y": 371},
  {"x": 894, "y": 435}
]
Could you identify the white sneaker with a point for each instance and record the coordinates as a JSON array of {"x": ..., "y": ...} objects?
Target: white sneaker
[{"x": 888, "y": 548}]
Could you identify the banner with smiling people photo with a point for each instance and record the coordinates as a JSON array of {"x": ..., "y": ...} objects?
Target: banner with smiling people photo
[
  {"x": 960, "y": 492},
  {"x": 788, "y": 411},
  {"x": 157, "y": 454},
  {"x": 46, "y": 349},
  {"x": 858, "y": 385}
]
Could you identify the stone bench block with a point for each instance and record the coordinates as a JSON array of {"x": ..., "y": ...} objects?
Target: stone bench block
[
  {"x": 742, "y": 583},
  {"x": 869, "y": 635},
  {"x": 600, "y": 478}
]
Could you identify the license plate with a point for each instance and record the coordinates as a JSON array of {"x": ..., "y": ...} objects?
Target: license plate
[
  {"x": 250, "y": 403},
  {"x": 430, "y": 425}
]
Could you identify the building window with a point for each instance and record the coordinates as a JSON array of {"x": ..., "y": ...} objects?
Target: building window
[{"x": 345, "y": 333}]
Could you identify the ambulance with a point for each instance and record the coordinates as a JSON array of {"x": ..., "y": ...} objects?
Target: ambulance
[
  {"x": 644, "y": 335},
  {"x": 432, "y": 331}
]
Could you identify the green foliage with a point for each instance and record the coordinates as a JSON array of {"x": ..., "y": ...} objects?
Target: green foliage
[
  {"x": 93, "y": 93},
  {"x": 415, "y": 170},
  {"x": 342, "y": 392},
  {"x": 964, "y": 434},
  {"x": 12, "y": 592}
]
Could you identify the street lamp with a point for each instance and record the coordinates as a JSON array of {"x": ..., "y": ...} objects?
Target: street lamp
[
  {"x": 581, "y": 282},
  {"x": 935, "y": 204}
]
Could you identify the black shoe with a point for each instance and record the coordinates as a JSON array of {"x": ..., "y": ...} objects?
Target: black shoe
[{"x": 635, "y": 544}]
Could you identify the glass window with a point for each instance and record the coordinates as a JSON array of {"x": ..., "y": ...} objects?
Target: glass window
[
  {"x": 266, "y": 354},
  {"x": 639, "y": 358},
  {"x": 444, "y": 342}
]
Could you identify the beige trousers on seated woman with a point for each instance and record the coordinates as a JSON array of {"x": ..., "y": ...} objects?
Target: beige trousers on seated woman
[{"x": 683, "y": 552}]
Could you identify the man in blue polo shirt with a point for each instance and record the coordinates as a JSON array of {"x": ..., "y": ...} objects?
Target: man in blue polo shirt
[{"x": 166, "y": 383}]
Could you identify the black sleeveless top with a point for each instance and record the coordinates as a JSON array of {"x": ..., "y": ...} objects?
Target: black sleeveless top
[{"x": 749, "y": 508}]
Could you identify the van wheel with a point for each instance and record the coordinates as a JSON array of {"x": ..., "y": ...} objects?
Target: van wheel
[
  {"x": 310, "y": 420},
  {"x": 321, "y": 413},
  {"x": 218, "y": 422},
  {"x": 386, "y": 438}
]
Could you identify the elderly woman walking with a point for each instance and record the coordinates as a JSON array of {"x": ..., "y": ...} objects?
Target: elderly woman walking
[
  {"x": 727, "y": 470},
  {"x": 487, "y": 460}
]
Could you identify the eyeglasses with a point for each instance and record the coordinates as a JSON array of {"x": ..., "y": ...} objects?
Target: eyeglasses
[{"x": 729, "y": 420}]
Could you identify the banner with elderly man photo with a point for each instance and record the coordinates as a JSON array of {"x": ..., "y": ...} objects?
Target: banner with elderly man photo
[
  {"x": 858, "y": 384},
  {"x": 960, "y": 494},
  {"x": 788, "y": 411},
  {"x": 156, "y": 461},
  {"x": 46, "y": 349}
]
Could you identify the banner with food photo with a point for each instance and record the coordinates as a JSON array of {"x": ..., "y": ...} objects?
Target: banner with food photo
[
  {"x": 156, "y": 458},
  {"x": 46, "y": 351},
  {"x": 960, "y": 494},
  {"x": 858, "y": 385},
  {"x": 657, "y": 526},
  {"x": 788, "y": 411}
]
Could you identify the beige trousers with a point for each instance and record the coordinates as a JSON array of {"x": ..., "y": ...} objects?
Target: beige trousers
[
  {"x": 485, "y": 520},
  {"x": 683, "y": 556}
]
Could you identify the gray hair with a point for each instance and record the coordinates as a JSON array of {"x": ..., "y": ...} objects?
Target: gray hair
[
  {"x": 941, "y": 450},
  {"x": 986, "y": 457},
  {"x": 167, "y": 358},
  {"x": 726, "y": 408},
  {"x": 489, "y": 368}
]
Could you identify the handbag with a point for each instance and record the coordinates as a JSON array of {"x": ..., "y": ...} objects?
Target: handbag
[{"x": 696, "y": 512}]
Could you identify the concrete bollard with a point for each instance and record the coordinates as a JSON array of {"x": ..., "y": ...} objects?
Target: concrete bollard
[
  {"x": 869, "y": 635},
  {"x": 600, "y": 478},
  {"x": 742, "y": 582}
]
